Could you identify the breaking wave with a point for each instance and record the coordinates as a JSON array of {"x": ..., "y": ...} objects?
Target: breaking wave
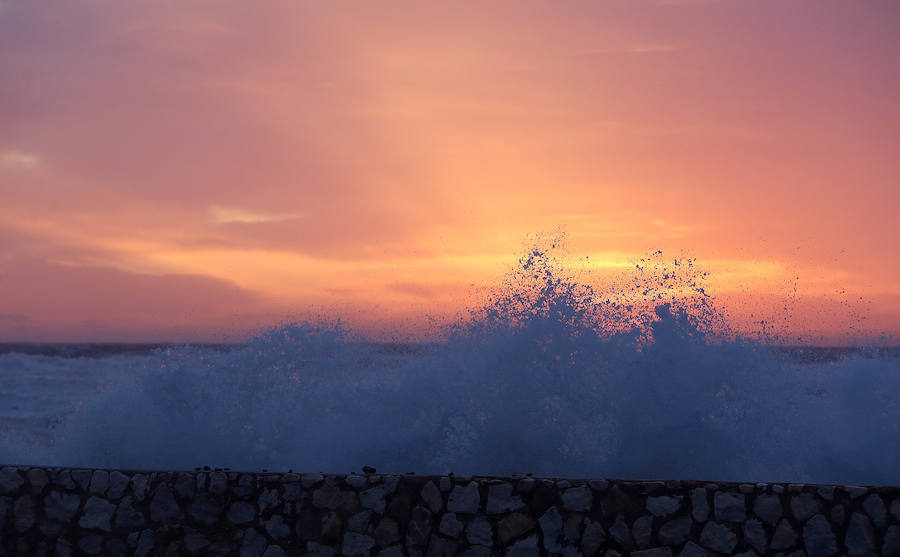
[{"x": 551, "y": 375}]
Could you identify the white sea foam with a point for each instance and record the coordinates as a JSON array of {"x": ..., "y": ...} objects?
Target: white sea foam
[{"x": 549, "y": 377}]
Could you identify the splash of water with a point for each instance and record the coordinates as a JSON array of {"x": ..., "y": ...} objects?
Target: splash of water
[{"x": 551, "y": 376}]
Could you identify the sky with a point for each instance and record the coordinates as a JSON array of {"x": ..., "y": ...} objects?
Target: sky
[{"x": 193, "y": 170}]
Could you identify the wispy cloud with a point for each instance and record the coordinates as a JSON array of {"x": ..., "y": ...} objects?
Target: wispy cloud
[
  {"x": 20, "y": 159},
  {"x": 633, "y": 48},
  {"x": 687, "y": 2},
  {"x": 16, "y": 318},
  {"x": 231, "y": 215},
  {"x": 653, "y": 47}
]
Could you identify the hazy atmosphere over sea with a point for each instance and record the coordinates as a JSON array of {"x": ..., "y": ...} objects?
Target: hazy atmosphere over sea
[{"x": 635, "y": 238}]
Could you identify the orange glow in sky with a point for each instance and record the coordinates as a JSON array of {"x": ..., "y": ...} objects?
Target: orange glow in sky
[{"x": 180, "y": 170}]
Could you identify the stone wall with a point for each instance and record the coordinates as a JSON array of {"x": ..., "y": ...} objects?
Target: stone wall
[{"x": 50, "y": 511}]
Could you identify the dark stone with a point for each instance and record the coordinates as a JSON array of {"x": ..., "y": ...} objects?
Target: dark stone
[
  {"x": 10, "y": 481},
  {"x": 374, "y": 499},
  {"x": 63, "y": 479},
  {"x": 804, "y": 506},
  {"x": 24, "y": 547},
  {"x": 891, "y": 544},
  {"x": 293, "y": 491},
  {"x": 308, "y": 526},
  {"x": 839, "y": 514},
  {"x": 63, "y": 548},
  {"x": 543, "y": 496},
  {"x": 185, "y": 485},
  {"x": 419, "y": 526},
  {"x": 768, "y": 508},
  {"x": 274, "y": 551},
  {"x": 355, "y": 481},
  {"x": 572, "y": 527},
  {"x": 755, "y": 535},
  {"x": 525, "y": 485},
  {"x": 97, "y": 514},
  {"x": 621, "y": 533},
  {"x": 268, "y": 500},
  {"x": 464, "y": 499},
  {"x": 240, "y": 512},
  {"x": 118, "y": 483},
  {"x": 401, "y": 504},
  {"x": 729, "y": 506},
  {"x": 91, "y": 544},
  {"x": 432, "y": 497},
  {"x": 718, "y": 537},
  {"x": 855, "y": 491},
  {"x": 246, "y": 487},
  {"x": 254, "y": 543},
  {"x": 24, "y": 513},
  {"x": 276, "y": 528},
  {"x": 82, "y": 478},
  {"x": 617, "y": 501},
  {"x": 99, "y": 482},
  {"x": 819, "y": 538},
  {"x": 386, "y": 532},
  {"x": 514, "y": 526},
  {"x": 50, "y": 529},
  {"x": 174, "y": 549},
  {"x": 577, "y": 499},
  {"x": 471, "y": 551},
  {"x": 551, "y": 524},
  {"x": 38, "y": 480},
  {"x": 332, "y": 528},
  {"x": 439, "y": 547},
  {"x": 785, "y": 537},
  {"x": 451, "y": 526},
  {"x": 874, "y": 507},
  {"x": 860, "y": 538},
  {"x": 826, "y": 492},
  {"x": 115, "y": 548},
  {"x": 146, "y": 543},
  {"x": 163, "y": 506},
  {"x": 218, "y": 482},
  {"x": 359, "y": 522},
  {"x": 642, "y": 531},
  {"x": 527, "y": 547},
  {"x": 699, "y": 505},
  {"x": 206, "y": 509},
  {"x": 501, "y": 499},
  {"x": 314, "y": 549},
  {"x": 692, "y": 550},
  {"x": 675, "y": 531},
  {"x": 480, "y": 532},
  {"x": 356, "y": 545},
  {"x": 593, "y": 538},
  {"x": 655, "y": 552},
  {"x": 60, "y": 506},
  {"x": 139, "y": 484},
  {"x": 663, "y": 506},
  {"x": 194, "y": 542},
  {"x": 127, "y": 516}
]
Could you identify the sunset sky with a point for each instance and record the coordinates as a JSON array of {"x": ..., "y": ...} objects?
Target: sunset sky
[{"x": 184, "y": 170}]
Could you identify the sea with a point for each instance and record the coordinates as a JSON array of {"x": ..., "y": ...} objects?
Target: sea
[{"x": 548, "y": 376}]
